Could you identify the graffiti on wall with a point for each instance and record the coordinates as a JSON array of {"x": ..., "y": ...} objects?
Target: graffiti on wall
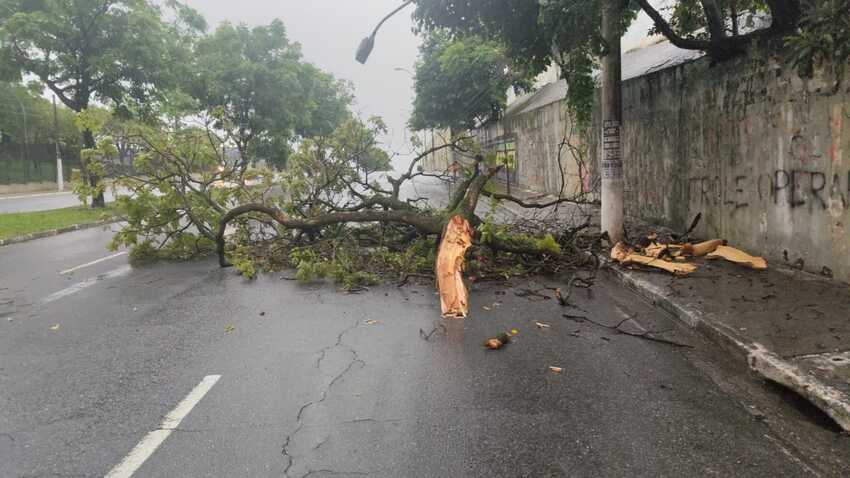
[{"x": 792, "y": 188}]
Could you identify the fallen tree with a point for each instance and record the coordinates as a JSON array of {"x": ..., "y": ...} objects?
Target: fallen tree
[{"x": 322, "y": 217}]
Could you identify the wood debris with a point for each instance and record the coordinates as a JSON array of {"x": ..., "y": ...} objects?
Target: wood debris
[
  {"x": 457, "y": 237},
  {"x": 739, "y": 257},
  {"x": 676, "y": 258},
  {"x": 626, "y": 256}
]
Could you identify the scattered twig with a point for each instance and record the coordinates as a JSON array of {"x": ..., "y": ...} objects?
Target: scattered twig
[
  {"x": 616, "y": 328},
  {"x": 526, "y": 293},
  {"x": 429, "y": 334},
  {"x": 406, "y": 279},
  {"x": 694, "y": 224}
]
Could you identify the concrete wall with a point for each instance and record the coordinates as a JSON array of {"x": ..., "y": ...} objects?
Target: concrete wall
[
  {"x": 440, "y": 161},
  {"x": 538, "y": 135},
  {"x": 762, "y": 153}
]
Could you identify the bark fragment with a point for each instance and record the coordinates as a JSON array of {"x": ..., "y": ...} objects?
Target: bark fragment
[
  {"x": 625, "y": 256},
  {"x": 739, "y": 257}
]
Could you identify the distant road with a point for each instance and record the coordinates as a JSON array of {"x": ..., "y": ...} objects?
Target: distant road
[{"x": 41, "y": 201}]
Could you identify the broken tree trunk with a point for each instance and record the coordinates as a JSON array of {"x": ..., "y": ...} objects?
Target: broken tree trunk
[{"x": 457, "y": 237}]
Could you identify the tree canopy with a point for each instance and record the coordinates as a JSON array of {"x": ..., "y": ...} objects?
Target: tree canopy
[
  {"x": 27, "y": 117},
  {"x": 108, "y": 50},
  {"x": 567, "y": 32},
  {"x": 113, "y": 51},
  {"x": 461, "y": 82},
  {"x": 254, "y": 83}
]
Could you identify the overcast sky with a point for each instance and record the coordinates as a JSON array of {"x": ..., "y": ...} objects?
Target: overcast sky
[{"x": 329, "y": 32}]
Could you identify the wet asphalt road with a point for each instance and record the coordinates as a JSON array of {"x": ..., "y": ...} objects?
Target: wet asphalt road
[
  {"x": 310, "y": 386},
  {"x": 41, "y": 201}
]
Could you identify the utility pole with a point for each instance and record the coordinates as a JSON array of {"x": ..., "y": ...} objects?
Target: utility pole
[
  {"x": 611, "y": 160},
  {"x": 60, "y": 179}
]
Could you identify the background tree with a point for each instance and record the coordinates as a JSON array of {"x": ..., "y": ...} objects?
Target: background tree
[
  {"x": 27, "y": 118},
  {"x": 568, "y": 31},
  {"x": 111, "y": 51},
  {"x": 461, "y": 82},
  {"x": 253, "y": 82},
  {"x": 823, "y": 38}
]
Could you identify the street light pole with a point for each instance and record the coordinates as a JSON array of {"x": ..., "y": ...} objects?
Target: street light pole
[{"x": 366, "y": 45}]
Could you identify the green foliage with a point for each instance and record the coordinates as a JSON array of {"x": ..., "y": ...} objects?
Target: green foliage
[
  {"x": 27, "y": 118},
  {"x": 89, "y": 182},
  {"x": 253, "y": 83},
  {"x": 567, "y": 32},
  {"x": 82, "y": 50},
  {"x": 179, "y": 192},
  {"x": 244, "y": 263},
  {"x": 462, "y": 81},
  {"x": 118, "y": 52},
  {"x": 534, "y": 34},
  {"x": 823, "y": 38},
  {"x": 345, "y": 267},
  {"x": 548, "y": 244},
  {"x": 321, "y": 173},
  {"x": 688, "y": 17}
]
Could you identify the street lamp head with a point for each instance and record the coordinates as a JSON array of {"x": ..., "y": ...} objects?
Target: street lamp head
[{"x": 365, "y": 49}]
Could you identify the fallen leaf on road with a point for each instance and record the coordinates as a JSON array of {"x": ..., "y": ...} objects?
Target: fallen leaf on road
[
  {"x": 542, "y": 325},
  {"x": 555, "y": 369},
  {"x": 371, "y": 322},
  {"x": 262, "y": 314},
  {"x": 229, "y": 328},
  {"x": 514, "y": 331},
  {"x": 55, "y": 327}
]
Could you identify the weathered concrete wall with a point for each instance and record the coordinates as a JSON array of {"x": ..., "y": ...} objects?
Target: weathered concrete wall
[
  {"x": 762, "y": 153},
  {"x": 541, "y": 136},
  {"x": 441, "y": 160}
]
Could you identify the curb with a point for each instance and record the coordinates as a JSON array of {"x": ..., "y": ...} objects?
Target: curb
[
  {"x": 760, "y": 360},
  {"x": 55, "y": 232}
]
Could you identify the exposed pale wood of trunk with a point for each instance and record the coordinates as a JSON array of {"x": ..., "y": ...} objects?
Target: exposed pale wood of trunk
[{"x": 457, "y": 237}]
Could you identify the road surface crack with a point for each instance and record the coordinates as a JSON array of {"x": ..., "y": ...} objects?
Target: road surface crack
[
  {"x": 334, "y": 473},
  {"x": 322, "y": 353},
  {"x": 355, "y": 360}
]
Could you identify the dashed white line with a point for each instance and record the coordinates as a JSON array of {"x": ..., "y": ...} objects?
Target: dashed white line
[
  {"x": 141, "y": 452},
  {"x": 73, "y": 289},
  {"x": 97, "y": 261}
]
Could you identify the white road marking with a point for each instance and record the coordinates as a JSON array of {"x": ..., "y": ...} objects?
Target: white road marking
[
  {"x": 141, "y": 452},
  {"x": 73, "y": 289},
  {"x": 98, "y": 261}
]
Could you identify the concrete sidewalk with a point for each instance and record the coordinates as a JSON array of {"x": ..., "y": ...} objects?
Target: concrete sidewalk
[{"x": 789, "y": 326}]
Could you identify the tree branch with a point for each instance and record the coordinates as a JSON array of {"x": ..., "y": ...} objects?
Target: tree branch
[{"x": 426, "y": 224}]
